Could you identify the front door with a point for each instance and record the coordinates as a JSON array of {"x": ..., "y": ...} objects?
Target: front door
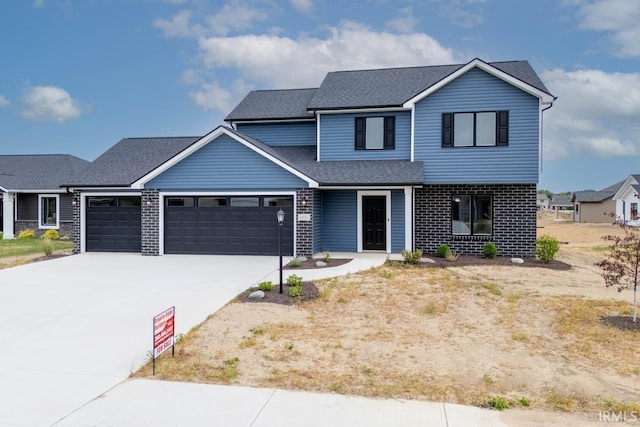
[{"x": 374, "y": 223}]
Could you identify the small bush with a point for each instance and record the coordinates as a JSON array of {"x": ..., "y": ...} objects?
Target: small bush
[
  {"x": 326, "y": 257},
  {"x": 27, "y": 233},
  {"x": 411, "y": 257},
  {"x": 443, "y": 250},
  {"x": 546, "y": 248},
  {"x": 295, "y": 291},
  {"x": 452, "y": 256},
  {"x": 499, "y": 403},
  {"x": 51, "y": 234},
  {"x": 294, "y": 263},
  {"x": 48, "y": 246},
  {"x": 294, "y": 280},
  {"x": 489, "y": 250},
  {"x": 265, "y": 286}
]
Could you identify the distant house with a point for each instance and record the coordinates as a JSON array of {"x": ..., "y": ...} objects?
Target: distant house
[
  {"x": 561, "y": 202},
  {"x": 542, "y": 201},
  {"x": 627, "y": 199},
  {"x": 31, "y": 194},
  {"x": 595, "y": 206}
]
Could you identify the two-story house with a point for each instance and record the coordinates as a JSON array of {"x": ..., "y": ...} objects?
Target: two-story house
[{"x": 371, "y": 160}]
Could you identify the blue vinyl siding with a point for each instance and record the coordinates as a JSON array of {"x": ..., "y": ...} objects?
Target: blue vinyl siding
[
  {"x": 225, "y": 164},
  {"x": 337, "y": 138},
  {"x": 339, "y": 220},
  {"x": 279, "y": 134},
  {"x": 478, "y": 91},
  {"x": 397, "y": 220},
  {"x": 318, "y": 244}
]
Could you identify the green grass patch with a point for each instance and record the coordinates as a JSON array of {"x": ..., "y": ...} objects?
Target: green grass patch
[{"x": 18, "y": 247}]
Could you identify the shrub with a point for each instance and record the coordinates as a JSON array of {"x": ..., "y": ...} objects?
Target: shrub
[
  {"x": 48, "y": 246},
  {"x": 546, "y": 248},
  {"x": 489, "y": 250},
  {"x": 294, "y": 280},
  {"x": 411, "y": 257},
  {"x": 498, "y": 403},
  {"x": 265, "y": 286},
  {"x": 443, "y": 250},
  {"x": 326, "y": 257},
  {"x": 27, "y": 233},
  {"x": 294, "y": 263},
  {"x": 295, "y": 291},
  {"x": 452, "y": 256},
  {"x": 51, "y": 234}
]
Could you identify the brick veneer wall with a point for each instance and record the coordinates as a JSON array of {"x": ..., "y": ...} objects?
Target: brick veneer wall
[
  {"x": 514, "y": 219},
  {"x": 150, "y": 222},
  {"x": 76, "y": 230},
  {"x": 304, "y": 229}
]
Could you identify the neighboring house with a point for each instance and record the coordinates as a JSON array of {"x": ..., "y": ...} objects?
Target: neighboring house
[
  {"x": 627, "y": 199},
  {"x": 372, "y": 160},
  {"x": 595, "y": 206},
  {"x": 542, "y": 202},
  {"x": 31, "y": 194},
  {"x": 561, "y": 202}
]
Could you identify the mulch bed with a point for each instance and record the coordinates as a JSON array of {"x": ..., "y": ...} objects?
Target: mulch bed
[
  {"x": 309, "y": 292},
  {"x": 310, "y": 263},
  {"x": 621, "y": 322},
  {"x": 471, "y": 260}
]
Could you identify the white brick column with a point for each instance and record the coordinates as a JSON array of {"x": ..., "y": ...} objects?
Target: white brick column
[{"x": 7, "y": 215}]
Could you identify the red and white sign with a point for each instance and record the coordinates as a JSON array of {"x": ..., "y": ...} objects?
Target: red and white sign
[{"x": 163, "y": 331}]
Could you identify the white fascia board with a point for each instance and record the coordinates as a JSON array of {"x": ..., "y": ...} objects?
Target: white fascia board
[
  {"x": 363, "y": 110},
  {"x": 545, "y": 98},
  {"x": 623, "y": 188},
  {"x": 60, "y": 191},
  {"x": 366, "y": 187},
  {"x": 248, "y": 122},
  {"x": 4, "y": 189},
  {"x": 220, "y": 130}
]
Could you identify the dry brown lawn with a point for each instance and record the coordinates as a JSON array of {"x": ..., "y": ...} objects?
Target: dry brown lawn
[{"x": 460, "y": 334}]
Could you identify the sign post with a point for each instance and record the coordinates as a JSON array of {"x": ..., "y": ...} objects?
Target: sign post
[{"x": 163, "y": 334}]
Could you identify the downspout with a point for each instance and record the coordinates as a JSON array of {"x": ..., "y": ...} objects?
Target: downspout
[{"x": 542, "y": 128}]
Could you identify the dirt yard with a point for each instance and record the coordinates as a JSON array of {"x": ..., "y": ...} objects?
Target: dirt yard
[{"x": 531, "y": 337}]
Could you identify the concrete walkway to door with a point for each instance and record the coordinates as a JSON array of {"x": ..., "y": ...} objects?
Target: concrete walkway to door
[{"x": 74, "y": 327}]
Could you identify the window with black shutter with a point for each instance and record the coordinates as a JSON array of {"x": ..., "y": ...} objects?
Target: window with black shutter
[
  {"x": 475, "y": 129},
  {"x": 375, "y": 133}
]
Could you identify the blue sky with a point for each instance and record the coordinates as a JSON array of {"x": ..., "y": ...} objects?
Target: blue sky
[{"x": 76, "y": 76}]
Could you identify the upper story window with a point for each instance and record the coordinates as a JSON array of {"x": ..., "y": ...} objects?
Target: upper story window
[
  {"x": 481, "y": 129},
  {"x": 48, "y": 214},
  {"x": 375, "y": 133}
]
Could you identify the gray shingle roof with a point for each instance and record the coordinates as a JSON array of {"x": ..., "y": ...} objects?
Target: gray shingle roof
[
  {"x": 558, "y": 200},
  {"x": 129, "y": 160},
  {"x": 38, "y": 172},
  {"x": 590, "y": 196},
  {"x": 274, "y": 104},
  {"x": 388, "y": 87}
]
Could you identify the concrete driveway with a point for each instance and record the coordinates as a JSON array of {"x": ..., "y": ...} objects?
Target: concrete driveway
[{"x": 73, "y": 328}]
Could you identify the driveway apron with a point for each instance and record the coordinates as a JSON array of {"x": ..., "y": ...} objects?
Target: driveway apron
[{"x": 74, "y": 327}]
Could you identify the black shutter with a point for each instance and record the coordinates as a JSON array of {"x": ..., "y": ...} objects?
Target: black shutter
[
  {"x": 389, "y": 133},
  {"x": 447, "y": 129},
  {"x": 360, "y": 133},
  {"x": 502, "y": 128}
]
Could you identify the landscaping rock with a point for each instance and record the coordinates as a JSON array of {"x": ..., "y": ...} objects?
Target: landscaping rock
[
  {"x": 321, "y": 264},
  {"x": 427, "y": 260},
  {"x": 302, "y": 258},
  {"x": 256, "y": 295},
  {"x": 517, "y": 260}
]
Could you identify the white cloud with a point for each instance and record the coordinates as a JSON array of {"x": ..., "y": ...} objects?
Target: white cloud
[
  {"x": 212, "y": 96},
  {"x": 596, "y": 114},
  {"x": 235, "y": 15},
  {"x": 50, "y": 104},
  {"x": 4, "y": 102},
  {"x": 38, "y": 3},
  {"x": 302, "y": 6},
  {"x": 405, "y": 22},
  {"x": 179, "y": 25},
  {"x": 465, "y": 13},
  {"x": 285, "y": 62},
  {"x": 619, "y": 17}
]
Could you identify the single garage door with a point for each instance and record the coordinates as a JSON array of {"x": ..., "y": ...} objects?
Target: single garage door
[
  {"x": 227, "y": 225},
  {"x": 113, "y": 224}
]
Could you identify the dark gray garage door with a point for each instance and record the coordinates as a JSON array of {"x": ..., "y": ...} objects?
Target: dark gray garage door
[
  {"x": 113, "y": 224},
  {"x": 227, "y": 225}
]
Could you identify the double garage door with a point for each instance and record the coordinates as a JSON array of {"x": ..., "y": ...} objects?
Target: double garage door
[{"x": 224, "y": 225}]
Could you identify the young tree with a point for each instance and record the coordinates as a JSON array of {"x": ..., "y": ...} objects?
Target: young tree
[{"x": 621, "y": 268}]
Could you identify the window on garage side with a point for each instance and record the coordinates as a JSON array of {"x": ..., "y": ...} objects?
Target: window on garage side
[
  {"x": 187, "y": 202},
  {"x": 212, "y": 202},
  {"x": 278, "y": 202},
  {"x": 48, "y": 213},
  {"x": 471, "y": 215},
  {"x": 245, "y": 202}
]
